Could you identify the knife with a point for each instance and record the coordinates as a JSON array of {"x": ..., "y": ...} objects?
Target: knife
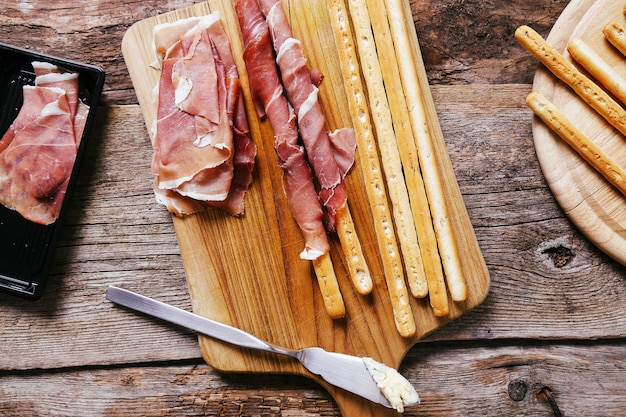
[{"x": 343, "y": 371}]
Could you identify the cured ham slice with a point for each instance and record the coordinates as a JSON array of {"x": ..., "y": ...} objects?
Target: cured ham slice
[
  {"x": 343, "y": 145},
  {"x": 269, "y": 100},
  {"x": 245, "y": 152},
  {"x": 49, "y": 75},
  {"x": 300, "y": 85},
  {"x": 38, "y": 151},
  {"x": 202, "y": 151},
  {"x": 179, "y": 159}
]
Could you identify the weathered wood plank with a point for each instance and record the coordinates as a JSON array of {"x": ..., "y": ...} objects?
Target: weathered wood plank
[
  {"x": 462, "y": 41},
  {"x": 472, "y": 41},
  {"x": 528, "y": 243},
  {"x": 452, "y": 380},
  {"x": 547, "y": 281}
]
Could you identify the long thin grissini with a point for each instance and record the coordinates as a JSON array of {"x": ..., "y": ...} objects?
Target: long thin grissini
[
  {"x": 329, "y": 287},
  {"x": 353, "y": 252},
  {"x": 302, "y": 94},
  {"x": 372, "y": 172},
  {"x": 584, "y": 146},
  {"x": 405, "y": 141},
  {"x": 586, "y": 89},
  {"x": 448, "y": 249},
  {"x": 388, "y": 148},
  {"x": 269, "y": 99},
  {"x": 604, "y": 73}
]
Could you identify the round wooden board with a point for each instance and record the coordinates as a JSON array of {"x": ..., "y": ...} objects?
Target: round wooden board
[{"x": 596, "y": 208}]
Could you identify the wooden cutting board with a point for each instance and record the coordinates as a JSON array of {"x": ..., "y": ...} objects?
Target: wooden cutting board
[
  {"x": 247, "y": 272},
  {"x": 596, "y": 208}
]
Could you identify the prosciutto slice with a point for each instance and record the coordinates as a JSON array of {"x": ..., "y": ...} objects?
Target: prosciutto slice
[
  {"x": 38, "y": 151},
  {"x": 269, "y": 100},
  {"x": 300, "y": 85},
  {"x": 202, "y": 151}
]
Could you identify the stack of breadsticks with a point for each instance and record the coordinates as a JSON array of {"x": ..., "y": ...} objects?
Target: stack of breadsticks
[
  {"x": 402, "y": 178},
  {"x": 606, "y": 97}
]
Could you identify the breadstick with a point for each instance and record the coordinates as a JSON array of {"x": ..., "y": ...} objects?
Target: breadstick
[
  {"x": 586, "y": 89},
  {"x": 588, "y": 150},
  {"x": 616, "y": 35},
  {"x": 353, "y": 253},
  {"x": 374, "y": 183},
  {"x": 598, "y": 68},
  {"x": 427, "y": 156},
  {"x": 388, "y": 148},
  {"x": 410, "y": 160},
  {"x": 327, "y": 281}
]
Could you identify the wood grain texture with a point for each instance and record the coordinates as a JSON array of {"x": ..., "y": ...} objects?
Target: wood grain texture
[
  {"x": 463, "y": 42},
  {"x": 471, "y": 41},
  {"x": 543, "y": 271},
  {"x": 508, "y": 380},
  {"x": 548, "y": 282},
  {"x": 555, "y": 314}
]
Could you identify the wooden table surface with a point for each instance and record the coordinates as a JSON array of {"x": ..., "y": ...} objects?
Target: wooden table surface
[{"x": 549, "y": 340}]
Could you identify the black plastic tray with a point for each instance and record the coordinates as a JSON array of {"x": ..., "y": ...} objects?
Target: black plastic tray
[{"x": 27, "y": 248}]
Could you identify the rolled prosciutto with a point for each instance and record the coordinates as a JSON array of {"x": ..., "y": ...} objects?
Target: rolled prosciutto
[
  {"x": 38, "y": 151},
  {"x": 270, "y": 101},
  {"x": 202, "y": 152},
  {"x": 301, "y": 89}
]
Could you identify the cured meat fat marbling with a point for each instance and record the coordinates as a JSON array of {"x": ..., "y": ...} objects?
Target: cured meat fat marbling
[
  {"x": 202, "y": 152},
  {"x": 38, "y": 151},
  {"x": 269, "y": 100},
  {"x": 300, "y": 85}
]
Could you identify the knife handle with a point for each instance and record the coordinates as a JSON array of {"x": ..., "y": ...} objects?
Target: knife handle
[{"x": 191, "y": 321}]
